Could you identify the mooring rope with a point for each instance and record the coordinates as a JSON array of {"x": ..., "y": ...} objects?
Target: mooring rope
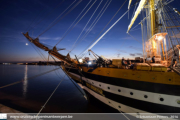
[
  {"x": 27, "y": 78},
  {"x": 55, "y": 91},
  {"x": 51, "y": 96},
  {"x": 71, "y": 79},
  {"x": 74, "y": 83}
]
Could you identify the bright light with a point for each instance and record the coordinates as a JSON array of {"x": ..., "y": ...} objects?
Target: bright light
[
  {"x": 80, "y": 60},
  {"x": 160, "y": 38},
  {"x": 26, "y": 43},
  {"x": 89, "y": 63}
]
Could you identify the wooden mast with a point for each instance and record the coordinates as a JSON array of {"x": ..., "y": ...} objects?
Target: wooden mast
[{"x": 152, "y": 19}]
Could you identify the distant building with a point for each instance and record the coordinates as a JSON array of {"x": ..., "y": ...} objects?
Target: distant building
[{"x": 20, "y": 63}]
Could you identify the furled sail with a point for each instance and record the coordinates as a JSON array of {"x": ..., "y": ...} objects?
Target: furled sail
[
  {"x": 129, "y": 3},
  {"x": 140, "y": 7}
]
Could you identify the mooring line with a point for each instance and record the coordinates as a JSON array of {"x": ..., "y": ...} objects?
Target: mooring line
[
  {"x": 51, "y": 93},
  {"x": 71, "y": 79},
  {"x": 74, "y": 83},
  {"x": 50, "y": 96},
  {"x": 27, "y": 79}
]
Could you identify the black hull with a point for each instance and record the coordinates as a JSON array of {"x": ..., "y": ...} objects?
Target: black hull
[{"x": 145, "y": 106}]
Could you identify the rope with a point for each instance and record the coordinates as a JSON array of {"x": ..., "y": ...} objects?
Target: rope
[
  {"x": 75, "y": 19},
  {"x": 92, "y": 25},
  {"x": 50, "y": 96},
  {"x": 62, "y": 12},
  {"x": 76, "y": 23},
  {"x": 27, "y": 78},
  {"x": 27, "y": 29},
  {"x": 135, "y": 26},
  {"x": 134, "y": 38},
  {"x": 134, "y": 9},
  {"x": 106, "y": 25},
  {"x": 98, "y": 18},
  {"x": 61, "y": 17},
  {"x": 120, "y": 111},
  {"x": 87, "y": 23},
  {"x": 41, "y": 55},
  {"x": 74, "y": 83},
  {"x": 105, "y": 32},
  {"x": 46, "y": 16},
  {"x": 71, "y": 79}
]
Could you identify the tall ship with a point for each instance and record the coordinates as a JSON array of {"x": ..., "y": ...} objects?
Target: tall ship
[{"x": 147, "y": 85}]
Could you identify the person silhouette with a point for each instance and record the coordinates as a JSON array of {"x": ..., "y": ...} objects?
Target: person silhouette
[{"x": 153, "y": 59}]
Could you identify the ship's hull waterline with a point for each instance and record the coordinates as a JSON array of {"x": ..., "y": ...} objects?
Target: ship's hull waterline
[{"x": 131, "y": 95}]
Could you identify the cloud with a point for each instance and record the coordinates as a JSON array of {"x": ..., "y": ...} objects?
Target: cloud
[
  {"x": 122, "y": 51},
  {"x": 132, "y": 47},
  {"x": 132, "y": 54},
  {"x": 139, "y": 54}
]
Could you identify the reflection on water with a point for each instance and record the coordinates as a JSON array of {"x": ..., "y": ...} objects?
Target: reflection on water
[
  {"x": 25, "y": 82},
  {"x": 29, "y": 96}
]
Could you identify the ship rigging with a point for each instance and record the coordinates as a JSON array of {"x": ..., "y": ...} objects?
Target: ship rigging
[{"x": 153, "y": 83}]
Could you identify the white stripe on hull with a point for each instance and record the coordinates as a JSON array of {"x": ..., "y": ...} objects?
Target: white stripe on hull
[
  {"x": 123, "y": 108},
  {"x": 169, "y": 100}
]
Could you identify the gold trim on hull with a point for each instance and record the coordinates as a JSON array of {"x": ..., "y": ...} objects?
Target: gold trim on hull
[{"x": 130, "y": 74}]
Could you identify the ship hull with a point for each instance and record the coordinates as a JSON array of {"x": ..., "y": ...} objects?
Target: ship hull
[{"x": 129, "y": 96}]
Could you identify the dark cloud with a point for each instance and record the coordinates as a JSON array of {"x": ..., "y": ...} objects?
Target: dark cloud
[
  {"x": 122, "y": 51},
  {"x": 132, "y": 47},
  {"x": 132, "y": 54},
  {"x": 139, "y": 54}
]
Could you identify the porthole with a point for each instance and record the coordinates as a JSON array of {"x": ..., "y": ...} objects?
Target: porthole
[
  {"x": 119, "y": 90},
  {"x": 169, "y": 79},
  {"x": 119, "y": 106},
  {"x": 161, "y": 99},
  {"x": 145, "y": 96},
  {"x": 131, "y": 93},
  {"x": 109, "y": 102},
  {"x": 92, "y": 83},
  {"x": 178, "y": 101},
  {"x": 108, "y": 87},
  {"x": 100, "y": 85}
]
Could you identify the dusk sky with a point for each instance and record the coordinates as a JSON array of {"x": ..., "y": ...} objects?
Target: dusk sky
[{"x": 35, "y": 16}]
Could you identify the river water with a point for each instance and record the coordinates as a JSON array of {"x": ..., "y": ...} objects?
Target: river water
[{"x": 31, "y": 94}]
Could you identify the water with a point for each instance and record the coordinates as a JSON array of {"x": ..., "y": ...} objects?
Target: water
[{"x": 29, "y": 96}]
